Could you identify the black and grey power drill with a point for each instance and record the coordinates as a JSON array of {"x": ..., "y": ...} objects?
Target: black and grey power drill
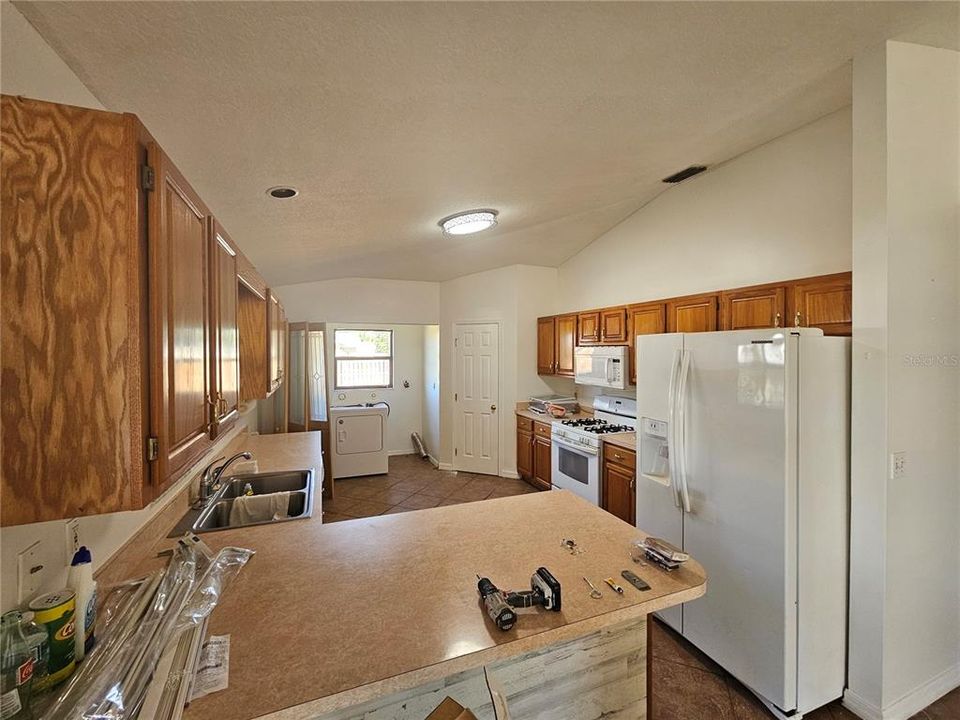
[{"x": 544, "y": 591}]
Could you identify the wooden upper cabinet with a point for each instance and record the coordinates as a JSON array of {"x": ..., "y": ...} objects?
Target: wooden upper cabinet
[
  {"x": 644, "y": 319},
  {"x": 274, "y": 345},
  {"x": 225, "y": 340},
  {"x": 825, "y": 302},
  {"x": 694, "y": 313},
  {"x": 179, "y": 296},
  {"x": 546, "y": 345},
  {"x": 566, "y": 337},
  {"x": 254, "y": 346},
  {"x": 72, "y": 312},
  {"x": 588, "y": 328},
  {"x": 613, "y": 326},
  {"x": 754, "y": 308}
]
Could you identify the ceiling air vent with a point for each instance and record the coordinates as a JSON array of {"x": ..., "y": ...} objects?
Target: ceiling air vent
[{"x": 685, "y": 173}]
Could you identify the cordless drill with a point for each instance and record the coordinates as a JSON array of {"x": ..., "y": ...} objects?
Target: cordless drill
[
  {"x": 497, "y": 608},
  {"x": 544, "y": 591}
]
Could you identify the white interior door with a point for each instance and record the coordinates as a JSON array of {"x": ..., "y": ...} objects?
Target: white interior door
[{"x": 476, "y": 434}]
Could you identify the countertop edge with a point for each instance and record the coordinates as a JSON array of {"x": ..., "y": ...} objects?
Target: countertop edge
[{"x": 422, "y": 676}]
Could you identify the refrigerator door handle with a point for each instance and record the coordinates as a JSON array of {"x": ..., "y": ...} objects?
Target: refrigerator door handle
[
  {"x": 681, "y": 433},
  {"x": 672, "y": 428}
]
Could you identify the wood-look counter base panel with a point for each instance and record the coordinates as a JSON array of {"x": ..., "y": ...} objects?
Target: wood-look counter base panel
[{"x": 600, "y": 675}]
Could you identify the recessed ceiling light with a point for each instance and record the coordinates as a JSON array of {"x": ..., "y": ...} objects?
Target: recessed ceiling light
[
  {"x": 468, "y": 222},
  {"x": 283, "y": 192}
]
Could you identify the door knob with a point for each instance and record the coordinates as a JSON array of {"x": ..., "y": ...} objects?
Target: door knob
[{"x": 493, "y": 408}]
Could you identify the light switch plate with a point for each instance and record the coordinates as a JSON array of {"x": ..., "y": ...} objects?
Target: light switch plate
[
  {"x": 29, "y": 573},
  {"x": 898, "y": 465}
]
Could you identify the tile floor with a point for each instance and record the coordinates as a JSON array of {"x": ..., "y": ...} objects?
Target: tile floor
[
  {"x": 413, "y": 484},
  {"x": 687, "y": 685}
]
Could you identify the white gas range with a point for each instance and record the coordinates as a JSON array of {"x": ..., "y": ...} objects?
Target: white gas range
[{"x": 577, "y": 445}]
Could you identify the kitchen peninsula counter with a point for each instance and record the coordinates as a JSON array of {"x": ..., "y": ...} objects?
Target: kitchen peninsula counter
[{"x": 331, "y": 621}]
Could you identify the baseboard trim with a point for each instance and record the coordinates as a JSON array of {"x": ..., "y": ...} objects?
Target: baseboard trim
[
  {"x": 511, "y": 474},
  {"x": 909, "y": 704},
  {"x": 860, "y": 707},
  {"x": 445, "y": 466},
  {"x": 394, "y": 453}
]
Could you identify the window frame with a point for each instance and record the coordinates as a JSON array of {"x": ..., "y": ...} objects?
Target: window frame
[{"x": 337, "y": 358}]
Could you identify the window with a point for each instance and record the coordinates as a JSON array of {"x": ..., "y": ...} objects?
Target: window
[{"x": 363, "y": 358}]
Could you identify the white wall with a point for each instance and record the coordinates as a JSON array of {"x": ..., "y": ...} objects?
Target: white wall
[
  {"x": 406, "y": 404},
  {"x": 362, "y": 300},
  {"x": 905, "y": 543},
  {"x": 30, "y": 67},
  {"x": 778, "y": 212},
  {"x": 431, "y": 390},
  {"x": 513, "y": 297}
]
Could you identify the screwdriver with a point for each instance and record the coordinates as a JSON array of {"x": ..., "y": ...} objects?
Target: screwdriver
[{"x": 613, "y": 585}]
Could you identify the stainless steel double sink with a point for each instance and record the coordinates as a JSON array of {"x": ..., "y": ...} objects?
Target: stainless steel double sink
[{"x": 216, "y": 515}]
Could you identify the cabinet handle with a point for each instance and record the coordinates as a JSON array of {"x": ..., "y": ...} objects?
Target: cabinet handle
[
  {"x": 633, "y": 483},
  {"x": 796, "y": 319},
  {"x": 776, "y": 322}
]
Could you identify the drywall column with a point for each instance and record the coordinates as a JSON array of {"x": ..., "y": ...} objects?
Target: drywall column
[{"x": 905, "y": 546}]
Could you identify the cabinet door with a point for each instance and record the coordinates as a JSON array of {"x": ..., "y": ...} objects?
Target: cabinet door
[
  {"x": 72, "y": 320},
  {"x": 225, "y": 346},
  {"x": 524, "y": 454},
  {"x": 273, "y": 342},
  {"x": 588, "y": 325},
  {"x": 179, "y": 297},
  {"x": 619, "y": 491},
  {"x": 541, "y": 462},
  {"x": 566, "y": 334},
  {"x": 645, "y": 319},
  {"x": 824, "y": 302},
  {"x": 254, "y": 352},
  {"x": 697, "y": 313},
  {"x": 546, "y": 345},
  {"x": 613, "y": 326},
  {"x": 753, "y": 308}
]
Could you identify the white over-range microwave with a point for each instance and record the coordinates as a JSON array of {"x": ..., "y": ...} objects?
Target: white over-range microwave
[{"x": 604, "y": 366}]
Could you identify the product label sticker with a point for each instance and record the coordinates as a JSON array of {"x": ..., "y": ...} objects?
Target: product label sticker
[
  {"x": 10, "y": 703},
  {"x": 213, "y": 671},
  {"x": 25, "y": 672}
]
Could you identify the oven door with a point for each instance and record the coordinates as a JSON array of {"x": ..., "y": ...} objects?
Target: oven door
[{"x": 576, "y": 468}]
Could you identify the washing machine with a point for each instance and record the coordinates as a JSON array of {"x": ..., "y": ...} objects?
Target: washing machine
[{"x": 359, "y": 439}]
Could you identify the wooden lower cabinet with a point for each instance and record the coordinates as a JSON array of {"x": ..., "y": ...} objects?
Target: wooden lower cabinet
[
  {"x": 533, "y": 452},
  {"x": 753, "y": 308},
  {"x": 618, "y": 490},
  {"x": 541, "y": 462}
]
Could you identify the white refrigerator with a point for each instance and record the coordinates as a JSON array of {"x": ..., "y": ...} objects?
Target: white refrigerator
[{"x": 743, "y": 461}]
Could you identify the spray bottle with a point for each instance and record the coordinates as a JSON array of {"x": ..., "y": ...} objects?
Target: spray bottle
[{"x": 80, "y": 580}]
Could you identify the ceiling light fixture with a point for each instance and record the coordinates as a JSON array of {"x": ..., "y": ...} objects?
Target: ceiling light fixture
[
  {"x": 283, "y": 192},
  {"x": 468, "y": 222}
]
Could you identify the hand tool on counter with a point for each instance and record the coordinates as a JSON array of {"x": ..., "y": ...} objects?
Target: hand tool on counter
[
  {"x": 612, "y": 583},
  {"x": 594, "y": 593},
  {"x": 638, "y": 582},
  {"x": 544, "y": 592}
]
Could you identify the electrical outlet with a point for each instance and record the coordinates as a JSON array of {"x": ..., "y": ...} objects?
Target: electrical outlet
[
  {"x": 29, "y": 573},
  {"x": 73, "y": 538},
  {"x": 898, "y": 465}
]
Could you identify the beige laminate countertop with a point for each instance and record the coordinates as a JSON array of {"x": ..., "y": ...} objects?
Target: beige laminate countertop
[
  {"x": 547, "y": 419},
  {"x": 328, "y": 616},
  {"x": 626, "y": 440}
]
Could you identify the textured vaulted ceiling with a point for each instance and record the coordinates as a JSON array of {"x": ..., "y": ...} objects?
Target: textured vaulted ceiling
[{"x": 390, "y": 116}]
